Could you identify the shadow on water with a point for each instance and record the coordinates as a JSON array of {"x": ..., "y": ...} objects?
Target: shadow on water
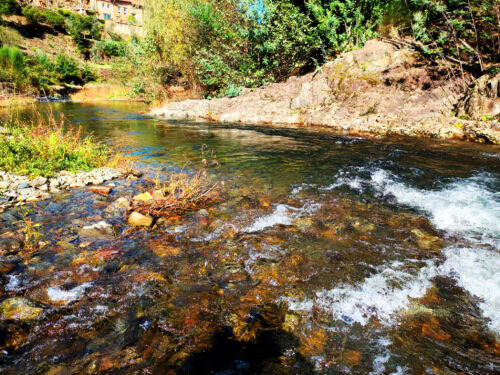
[{"x": 269, "y": 349}]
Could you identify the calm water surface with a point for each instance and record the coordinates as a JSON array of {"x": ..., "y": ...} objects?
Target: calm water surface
[{"x": 324, "y": 254}]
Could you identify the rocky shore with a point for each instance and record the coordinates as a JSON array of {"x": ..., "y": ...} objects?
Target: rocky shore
[
  {"x": 381, "y": 89},
  {"x": 15, "y": 189}
]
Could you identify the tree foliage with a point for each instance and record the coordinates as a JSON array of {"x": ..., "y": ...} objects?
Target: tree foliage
[
  {"x": 39, "y": 15},
  {"x": 7, "y": 7},
  {"x": 84, "y": 30},
  {"x": 468, "y": 30}
]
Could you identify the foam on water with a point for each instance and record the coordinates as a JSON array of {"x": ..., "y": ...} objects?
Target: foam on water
[
  {"x": 462, "y": 206},
  {"x": 478, "y": 271},
  {"x": 14, "y": 283},
  {"x": 58, "y": 294},
  {"x": 381, "y": 295},
  {"x": 282, "y": 214},
  {"x": 380, "y": 360},
  {"x": 467, "y": 207}
]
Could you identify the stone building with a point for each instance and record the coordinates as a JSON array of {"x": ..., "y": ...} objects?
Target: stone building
[{"x": 124, "y": 17}]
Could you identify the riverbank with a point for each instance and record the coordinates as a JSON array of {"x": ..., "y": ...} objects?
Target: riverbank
[
  {"x": 42, "y": 156},
  {"x": 381, "y": 89}
]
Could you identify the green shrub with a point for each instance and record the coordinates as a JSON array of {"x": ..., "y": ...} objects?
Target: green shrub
[
  {"x": 106, "y": 49},
  {"x": 89, "y": 74},
  {"x": 68, "y": 70},
  {"x": 12, "y": 57},
  {"x": 13, "y": 67},
  {"x": 43, "y": 72},
  {"x": 47, "y": 16},
  {"x": 233, "y": 90},
  {"x": 348, "y": 24},
  {"x": 65, "y": 12},
  {"x": 7, "y": 6},
  {"x": 465, "y": 29},
  {"x": 83, "y": 29}
]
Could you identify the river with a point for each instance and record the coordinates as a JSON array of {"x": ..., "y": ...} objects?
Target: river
[{"x": 324, "y": 254}]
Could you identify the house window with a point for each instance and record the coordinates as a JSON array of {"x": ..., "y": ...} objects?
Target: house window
[
  {"x": 108, "y": 6},
  {"x": 102, "y": 5},
  {"x": 107, "y": 16},
  {"x": 124, "y": 10},
  {"x": 119, "y": 11}
]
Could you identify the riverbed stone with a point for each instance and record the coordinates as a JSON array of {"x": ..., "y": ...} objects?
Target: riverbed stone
[
  {"x": 37, "y": 182},
  {"x": 122, "y": 202},
  {"x": 138, "y": 220},
  {"x": 101, "y": 229},
  {"x": 20, "y": 309},
  {"x": 425, "y": 240},
  {"x": 101, "y": 190},
  {"x": 23, "y": 185}
]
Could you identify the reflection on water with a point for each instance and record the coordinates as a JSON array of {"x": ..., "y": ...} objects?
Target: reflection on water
[{"x": 325, "y": 254}]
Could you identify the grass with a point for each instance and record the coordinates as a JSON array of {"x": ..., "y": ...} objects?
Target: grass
[
  {"x": 45, "y": 146},
  {"x": 9, "y": 36},
  {"x": 32, "y": 234}
]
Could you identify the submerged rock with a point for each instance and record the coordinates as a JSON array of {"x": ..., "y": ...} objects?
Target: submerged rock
[
  {"x": 21, "y": 309},
  {"x": 425, "y": 241},
  {"x": 138, "y": 220},
  {"x": 101, "y": 190},
  {"x": 121, "y": 202},
  {"x": 98, "y": 230}
]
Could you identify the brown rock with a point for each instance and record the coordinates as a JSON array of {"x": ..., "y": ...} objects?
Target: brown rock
[
  {"x": 166, "y": 250},
  {"x": 101, "y": 190},
  {"x": 483, "y": 98},
  {"x": 138, "y": 220},
  {"x": 18, "y": 308},
  {"x": 377, "y": 90}
]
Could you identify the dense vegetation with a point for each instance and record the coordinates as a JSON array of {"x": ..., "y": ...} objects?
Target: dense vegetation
[
  {"x": 223, "y": 45},
  {"x": 37, "y": 71},
  {"x": 40, "y": 72},
  {"x": 216, "y": 47},
  {"x": 45, "y": 146}
]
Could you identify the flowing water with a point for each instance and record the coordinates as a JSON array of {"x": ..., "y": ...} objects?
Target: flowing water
[{"x": 324, "y": 254}]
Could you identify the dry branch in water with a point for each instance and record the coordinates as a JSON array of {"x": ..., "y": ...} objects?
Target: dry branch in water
[{"x": 180, "y": 193}]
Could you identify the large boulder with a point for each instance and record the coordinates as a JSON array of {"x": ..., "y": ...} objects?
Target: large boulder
[{"x": 380, "y": 89}]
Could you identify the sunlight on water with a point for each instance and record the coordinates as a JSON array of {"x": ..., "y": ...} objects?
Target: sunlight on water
[{"x": 322, "y": 254}]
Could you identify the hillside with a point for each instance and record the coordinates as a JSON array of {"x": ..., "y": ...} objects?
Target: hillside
[{"x": 40, "y": 59}]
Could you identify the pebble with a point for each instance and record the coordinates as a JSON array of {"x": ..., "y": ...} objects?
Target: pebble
[
  {"x": 97, "y": 230},
  {"x": 15, "y": 189}
]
